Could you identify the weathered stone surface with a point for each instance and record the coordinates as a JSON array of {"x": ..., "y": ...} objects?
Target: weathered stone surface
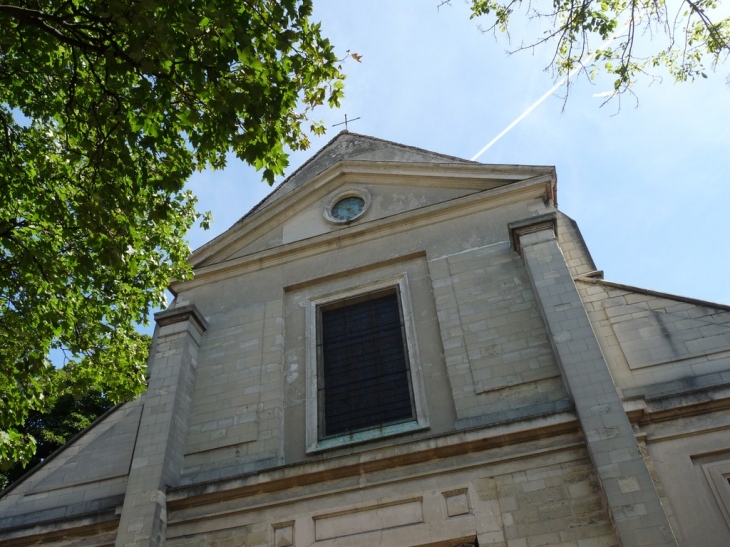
[{"x": 550, "y": 407}]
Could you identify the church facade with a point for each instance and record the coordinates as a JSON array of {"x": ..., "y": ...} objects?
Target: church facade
[{"x": 402, "y": 348}]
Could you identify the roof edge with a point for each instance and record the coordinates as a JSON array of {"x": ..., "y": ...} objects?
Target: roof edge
[
  {"x": 53, "y": 455},
  {"x": 319, "y": 152},
  {"x": 588, "y": 278},
  {"x": 329, "y": 143},
  {"x": 522, "y": 172}
]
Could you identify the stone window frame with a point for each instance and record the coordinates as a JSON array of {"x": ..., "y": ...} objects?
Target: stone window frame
[
  {"x": 420, "y": 421},
  {"x": 718, "y": 475}
]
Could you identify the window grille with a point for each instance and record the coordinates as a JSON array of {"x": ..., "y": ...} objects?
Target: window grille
[{"x": 363, "y": 364}]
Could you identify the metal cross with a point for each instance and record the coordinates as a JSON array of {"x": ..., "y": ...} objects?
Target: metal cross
[{"x": 346, "y": 121}]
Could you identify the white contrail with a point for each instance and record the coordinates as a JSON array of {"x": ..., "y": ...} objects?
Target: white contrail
[
  {"x": 546, "y": 95},
  {"x": 525, "y": 113}
]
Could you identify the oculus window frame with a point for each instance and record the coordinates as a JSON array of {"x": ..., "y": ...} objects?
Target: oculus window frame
[
  {"x": 315, "y": 438},
  {"x": 331, "y": 203}
]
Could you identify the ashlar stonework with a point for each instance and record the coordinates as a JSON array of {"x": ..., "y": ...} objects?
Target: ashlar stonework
[{"x": 509, "y": 397}]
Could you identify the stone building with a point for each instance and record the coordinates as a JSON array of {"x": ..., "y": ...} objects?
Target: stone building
[{"x": 402, "y": 348}]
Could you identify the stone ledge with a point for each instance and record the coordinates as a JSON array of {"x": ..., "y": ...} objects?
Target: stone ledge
[
  {"x": 680, "y": 387},
  {"x": 531, "y": 411},
  {"x": 40, "y": 533},
  {"x": 677, "y": 399},
  {"x": 405, "y": 453}
]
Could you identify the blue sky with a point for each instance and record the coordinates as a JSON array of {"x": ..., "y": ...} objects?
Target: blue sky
[{"x": 647, "y": 185}]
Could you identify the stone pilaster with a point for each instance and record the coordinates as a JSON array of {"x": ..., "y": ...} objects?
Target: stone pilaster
[
  {"x": 632, "y": 499},
  {"x": 158, "y": 452}
]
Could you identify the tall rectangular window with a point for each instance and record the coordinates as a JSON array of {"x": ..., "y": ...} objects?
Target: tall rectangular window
[
  {"x": 364, "y": 372},
  {"x": 364, "y": 378}
]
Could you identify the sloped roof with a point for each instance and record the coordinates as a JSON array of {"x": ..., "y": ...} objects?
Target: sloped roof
[
  {"x": 88, "y": 470},
  {"x": 655, "y": 328},
  {"x": 596, "y": 278}
]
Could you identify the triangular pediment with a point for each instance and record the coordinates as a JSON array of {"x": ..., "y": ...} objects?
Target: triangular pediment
[{"x": 394, "y": 179}]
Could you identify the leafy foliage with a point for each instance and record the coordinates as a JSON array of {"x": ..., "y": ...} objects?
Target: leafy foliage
[
  {"x": 106, "y": 108},
  {"x": 69, "y": 415},
  {"x": 624, "y": 38}
]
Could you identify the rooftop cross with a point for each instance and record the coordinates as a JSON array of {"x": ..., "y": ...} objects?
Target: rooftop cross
[{"x": 346, "y": 121}]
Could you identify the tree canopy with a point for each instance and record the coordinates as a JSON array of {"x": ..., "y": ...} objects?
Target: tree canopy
[
  {"x": 623, "y": 38},
  {"x": 106, "y": 108}
]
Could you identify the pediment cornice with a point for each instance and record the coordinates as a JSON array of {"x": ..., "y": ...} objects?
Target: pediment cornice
[
  {"x": 498, "y": 195},
  {"x": 265, "y": 217}
]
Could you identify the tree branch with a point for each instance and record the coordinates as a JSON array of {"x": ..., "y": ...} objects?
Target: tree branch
[{"x": 37, "y": 19}]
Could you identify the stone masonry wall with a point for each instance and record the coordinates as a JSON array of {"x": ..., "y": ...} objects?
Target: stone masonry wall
[
  {"x": 235, "y": 423},
  {"x": 574, "y": 248},
  {"x": 629, "y": 490},
  {"x": 554, "y": 502},
  {"x": 62, "y": 488},
  {"x": 496, "y": 348},
  {"x": 650, "y": 339},
  {"x": 557, "y": 505}
]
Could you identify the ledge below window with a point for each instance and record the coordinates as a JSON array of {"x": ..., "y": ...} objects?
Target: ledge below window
[{"x": 367, "y": 435}]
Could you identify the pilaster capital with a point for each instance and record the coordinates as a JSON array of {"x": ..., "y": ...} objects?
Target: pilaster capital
[
  {"x": 531, "y": 225},
  {"x": 180, "y": 314}
]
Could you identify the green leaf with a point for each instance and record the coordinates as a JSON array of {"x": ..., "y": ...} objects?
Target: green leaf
[
  {"x": 679, "y": 39},
  {"x": 94, "y": 212}
]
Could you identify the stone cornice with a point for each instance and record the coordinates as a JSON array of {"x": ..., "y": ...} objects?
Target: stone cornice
[
  {"x": 475, "y": 176},
  {"x": 535, "y": 187},
  {"x": 60, "y": 529},
  {"x": 188, "y": 312},
  {"x": 369, "y": 461},
  {"x": 707, "y": 400},
  {"x": 596, "y": 278},
  {"x": 517, "y": 229}
]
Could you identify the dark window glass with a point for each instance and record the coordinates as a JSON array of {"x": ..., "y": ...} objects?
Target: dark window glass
[{"x": 364, "y": 371}]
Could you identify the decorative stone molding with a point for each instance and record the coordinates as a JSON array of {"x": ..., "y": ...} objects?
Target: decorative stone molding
[
  {"x": 369, "y": 518},
  {"x": 343, "y": 193},
  {"x": 457, "y": 502},
  {"x": 180, "y": 314},
  {"x": 284, "y": 534},
  {"x": 519, "y": 228},
  {"x": 420, "y": 420}
]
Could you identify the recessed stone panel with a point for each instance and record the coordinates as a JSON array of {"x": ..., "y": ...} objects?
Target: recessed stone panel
[
  {"x": 368, "y": 519},
  {"x": 284, "y": 534},
  {"x": 457, "y": 503}
]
